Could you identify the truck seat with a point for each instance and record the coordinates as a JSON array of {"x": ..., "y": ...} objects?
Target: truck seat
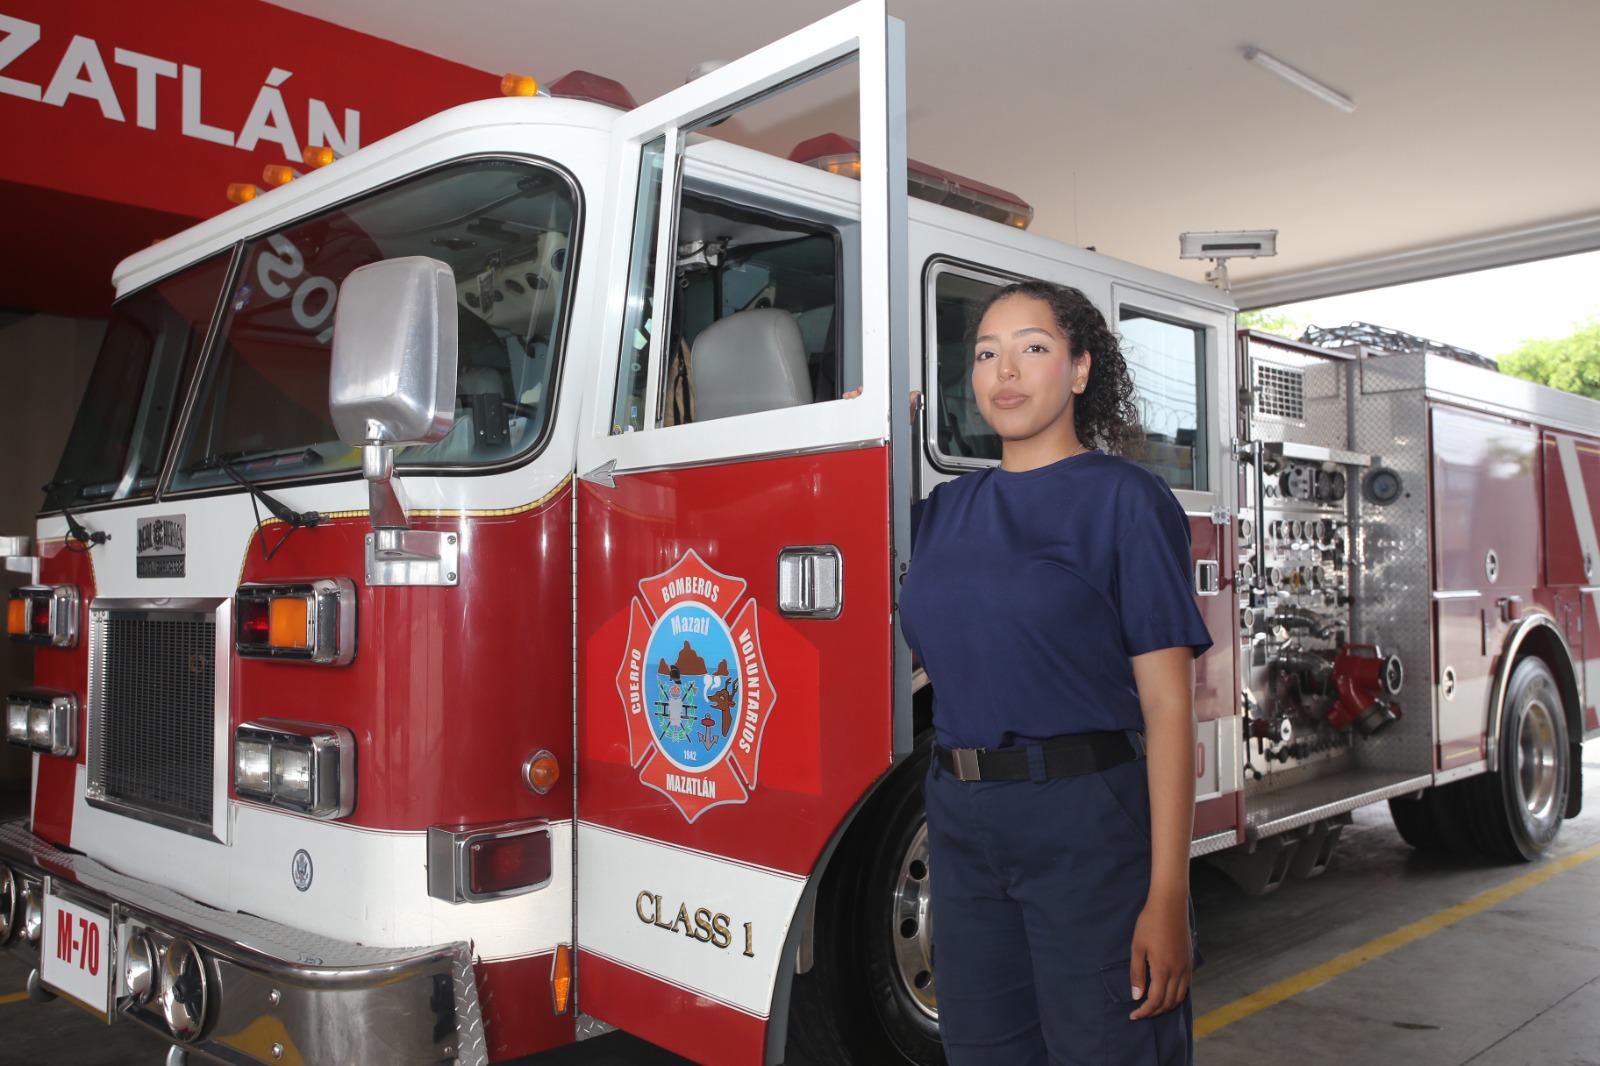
[{"x": 750, "y": 361}]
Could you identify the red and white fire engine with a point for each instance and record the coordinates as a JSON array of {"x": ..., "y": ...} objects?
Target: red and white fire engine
[{"x": 465, "y": 609}]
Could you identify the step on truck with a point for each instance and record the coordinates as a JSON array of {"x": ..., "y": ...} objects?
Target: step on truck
[{"x": 463, "y": 616}]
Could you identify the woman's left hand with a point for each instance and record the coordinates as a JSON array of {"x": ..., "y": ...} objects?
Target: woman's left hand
[{"x": 1161, "y": 949}]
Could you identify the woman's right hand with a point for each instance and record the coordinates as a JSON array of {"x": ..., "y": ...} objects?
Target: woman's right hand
[{"x": 916, "y": 397}]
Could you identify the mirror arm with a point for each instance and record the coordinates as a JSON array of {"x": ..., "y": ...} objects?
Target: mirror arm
[{"x": 384, "y": 502}]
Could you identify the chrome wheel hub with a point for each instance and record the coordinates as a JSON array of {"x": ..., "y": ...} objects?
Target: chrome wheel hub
[
  {"x": 1538, "y": 765},
  {"x": 911, "y": 925}
]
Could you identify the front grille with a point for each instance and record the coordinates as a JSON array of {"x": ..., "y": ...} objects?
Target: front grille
[
  {"x": 152, "y": 707},
  {"x": 1280, "y": 392}
]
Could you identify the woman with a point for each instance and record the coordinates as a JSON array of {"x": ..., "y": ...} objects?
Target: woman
[{"x": 1049, "y": 599}]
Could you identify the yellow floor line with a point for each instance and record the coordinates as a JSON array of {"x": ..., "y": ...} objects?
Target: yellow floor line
[
  {"x": 15, "y": 997},
  {"x": 1289, "y": 987}
]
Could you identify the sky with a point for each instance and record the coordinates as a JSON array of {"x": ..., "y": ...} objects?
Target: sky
[{"x": 1490, "y": 312}]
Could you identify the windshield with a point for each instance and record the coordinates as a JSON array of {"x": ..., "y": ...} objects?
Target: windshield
[
  {"x": 503, "y": 227},
  {"x": 146, "y": 359}
]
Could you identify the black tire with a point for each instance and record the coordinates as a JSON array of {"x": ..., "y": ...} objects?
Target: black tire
[
  {"x": 853, "y": 1008},
  {"x": 1413, "y": 817},
  {"x": 1518, "y": 810},
  {"x": 1435, "y": 822}
]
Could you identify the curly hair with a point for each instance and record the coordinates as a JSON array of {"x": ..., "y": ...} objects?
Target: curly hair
[{"x": 1104, "y": 416}]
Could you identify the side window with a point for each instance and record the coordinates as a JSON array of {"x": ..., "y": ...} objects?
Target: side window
[
  {"x": 1167, "y": 359},
  {"x": 754, "y": 323},
  {"x": 146, "y": 359},
  {"x": 960, "y": 431}
]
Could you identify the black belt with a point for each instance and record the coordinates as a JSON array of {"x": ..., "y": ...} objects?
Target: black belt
[{"x": 1065, "y": 756}]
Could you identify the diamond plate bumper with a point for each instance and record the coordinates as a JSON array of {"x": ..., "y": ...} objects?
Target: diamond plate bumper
[{"x": 278, "y": 994}]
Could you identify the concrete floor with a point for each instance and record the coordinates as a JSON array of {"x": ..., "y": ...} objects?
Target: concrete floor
[{"x": 1516, "y": 983}]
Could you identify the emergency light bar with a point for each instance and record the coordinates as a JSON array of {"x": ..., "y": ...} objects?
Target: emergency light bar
[
  {"x": 309, "y": 621},
  {"x": 43, "y": 614},
  {"x": 840, "y": 155}
]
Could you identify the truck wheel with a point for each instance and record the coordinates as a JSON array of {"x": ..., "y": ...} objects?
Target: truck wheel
[
  {"x": 869, "y": 996},
  {"x": 1436, "y": 821},
  {"x": 1518, "y": 809}
]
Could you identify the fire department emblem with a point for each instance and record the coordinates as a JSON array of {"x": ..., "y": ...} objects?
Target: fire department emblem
[{"x": 695, "y": 687}]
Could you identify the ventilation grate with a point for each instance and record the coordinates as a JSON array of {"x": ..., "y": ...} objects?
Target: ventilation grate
[{"x": 1280, "y": 392}]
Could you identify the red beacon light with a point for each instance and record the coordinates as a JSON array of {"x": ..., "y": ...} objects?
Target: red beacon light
[
  {"x": 583, "y": 85},
  {"x": 840, "y": 155}
]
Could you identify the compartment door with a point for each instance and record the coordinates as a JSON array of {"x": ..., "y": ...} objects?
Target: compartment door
[
  {"x": 741, "y": 681},
  {"x": 1572, "y": 551},
  {"x": 1181, "y": 356}
]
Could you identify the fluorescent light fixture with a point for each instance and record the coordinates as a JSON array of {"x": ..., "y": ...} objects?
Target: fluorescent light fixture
[{"x": 1300, "y": 80}]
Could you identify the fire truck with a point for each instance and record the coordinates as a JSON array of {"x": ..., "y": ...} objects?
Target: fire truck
[{"x": 464, "y": 613}]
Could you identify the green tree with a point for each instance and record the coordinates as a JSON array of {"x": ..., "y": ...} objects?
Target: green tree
[
  {"x": 1570, "y": 363},
  {"x": 1273, "y": 320}
]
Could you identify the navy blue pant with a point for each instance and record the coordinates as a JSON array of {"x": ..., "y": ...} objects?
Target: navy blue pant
[{"x": 1036, "y": 888}]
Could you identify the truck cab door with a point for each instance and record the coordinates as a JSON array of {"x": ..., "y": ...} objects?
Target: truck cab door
[{"x": 741, "y": 682}]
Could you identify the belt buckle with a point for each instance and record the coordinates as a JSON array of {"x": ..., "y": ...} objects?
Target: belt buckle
[{"x": 966, "y": 763}]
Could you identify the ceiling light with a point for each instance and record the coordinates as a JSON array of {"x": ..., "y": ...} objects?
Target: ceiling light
[{"x": 1300, "y": 80}]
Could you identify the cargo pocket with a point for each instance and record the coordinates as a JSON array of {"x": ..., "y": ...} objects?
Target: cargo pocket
[{"x": 1125, "y": 1042}]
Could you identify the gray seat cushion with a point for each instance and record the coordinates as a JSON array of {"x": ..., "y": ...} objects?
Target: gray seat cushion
[{"x": 750, "y": 361}]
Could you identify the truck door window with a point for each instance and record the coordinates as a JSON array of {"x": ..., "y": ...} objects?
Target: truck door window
[
  {"x": 505, "y": 227},
  {"x": 750, "y": 287},
  {"x": 960, "y": 434},
  {"x": 140, "y": 377},
  {"x": 1167, "y": 359}
]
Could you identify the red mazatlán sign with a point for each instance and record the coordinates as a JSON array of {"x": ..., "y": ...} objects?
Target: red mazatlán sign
[{"x": 125, "y": 122}]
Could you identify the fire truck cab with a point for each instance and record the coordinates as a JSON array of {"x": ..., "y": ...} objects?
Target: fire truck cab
[{"x": 465, "y": 609}]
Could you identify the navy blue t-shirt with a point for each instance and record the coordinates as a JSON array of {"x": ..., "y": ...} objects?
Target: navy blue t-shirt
[{"x": 1029, "y": 592}]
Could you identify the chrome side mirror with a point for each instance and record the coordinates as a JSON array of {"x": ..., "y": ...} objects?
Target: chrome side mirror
[{"x": 393, "y": 379}]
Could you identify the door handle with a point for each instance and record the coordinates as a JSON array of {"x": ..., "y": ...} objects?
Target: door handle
[
  {"x": 1207, "y": 577},
  {"x": 810, "y": 581}
]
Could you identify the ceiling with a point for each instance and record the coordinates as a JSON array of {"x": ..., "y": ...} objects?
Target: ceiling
[{"x": 1475, "y": 140}]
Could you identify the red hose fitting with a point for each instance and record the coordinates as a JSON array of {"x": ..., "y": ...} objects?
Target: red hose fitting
[{"x": 1363, "y": 678}]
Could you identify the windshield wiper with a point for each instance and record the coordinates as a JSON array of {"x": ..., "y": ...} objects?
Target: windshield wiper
[
  {"x": 291, "y": 518},
  {"x": 75, "y": 529},
  {"x": 281, "y": 511}
]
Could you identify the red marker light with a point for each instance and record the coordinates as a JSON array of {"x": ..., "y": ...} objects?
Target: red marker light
[
  {"x": 40, "y": 620},
  {"x": 255, "y": 621},
  {"x": 508, "y": 863}
]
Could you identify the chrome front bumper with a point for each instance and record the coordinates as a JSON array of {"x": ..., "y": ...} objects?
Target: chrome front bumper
[{"x": 277, "y": 994}]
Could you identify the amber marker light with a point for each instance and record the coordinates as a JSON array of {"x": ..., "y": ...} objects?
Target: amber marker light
[
  {"x": 317, "y": 155},
  {"x": 519, "y": 85},
  {"x": 286, "y": 627},
  {"x": 17, "y": 618},
  {"x": 561, "y": 979},
  {"x": 541, "y": 771},
  {"x": 242, "y": 192},
  {"x": 276, "y": 174}
]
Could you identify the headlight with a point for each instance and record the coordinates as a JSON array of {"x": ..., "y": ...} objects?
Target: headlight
[
  {"x": 252, "y": 768},
  {"x": 8, "y": 903},
  {"x": 184, "y": 989},
  {"x": 291, "y": 774},
  {"x": 16, "y": 721},
  {"x": 32, "y": 912},
  {"x": 296, "y": 765},
  {"x": 139, "y": 968},
  {"x": 43, "y": 720}
]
